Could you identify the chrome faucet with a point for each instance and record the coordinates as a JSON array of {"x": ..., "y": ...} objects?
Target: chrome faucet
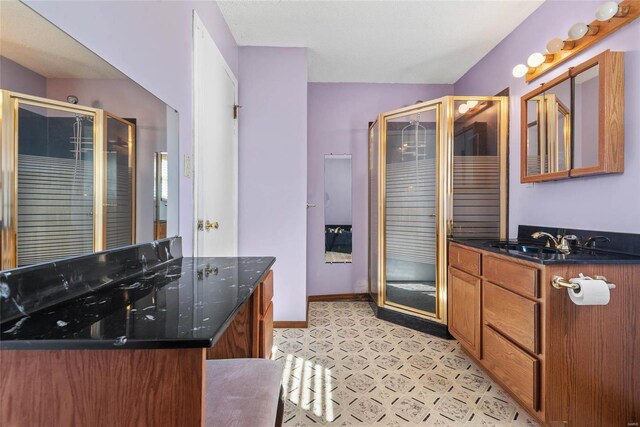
[{"x": 561, "y": 243}]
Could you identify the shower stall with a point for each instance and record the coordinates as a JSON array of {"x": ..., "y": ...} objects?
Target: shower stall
[
  {"x": 68, "y": 174},
  {"x": 437, "y": 170}
]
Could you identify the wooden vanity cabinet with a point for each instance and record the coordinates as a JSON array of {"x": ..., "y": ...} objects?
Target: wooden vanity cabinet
[
  {"x": 567, "y": 365},
  {"x": 250, "y": 334}
]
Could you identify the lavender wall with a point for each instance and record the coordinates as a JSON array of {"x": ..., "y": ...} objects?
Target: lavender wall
[
  {"x": 607, "y": 202},
  {"x": 17, "y": 78},
  {"x": 152, "y": 44},
  {"x": 339, "y": 115},
  {"x": 273, "y": 168}
]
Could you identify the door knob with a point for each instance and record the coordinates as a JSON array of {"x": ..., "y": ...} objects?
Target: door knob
[{"x": 209, "y": 225}]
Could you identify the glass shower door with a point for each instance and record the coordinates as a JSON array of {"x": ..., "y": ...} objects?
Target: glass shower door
[
  {"x": 55, "y": 182},
  {"x": 479, "y": 169},
  {"x": 411, "y": 210}
]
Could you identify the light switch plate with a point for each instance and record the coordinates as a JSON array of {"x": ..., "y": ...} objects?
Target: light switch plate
[{"x": 187, "y": 166}]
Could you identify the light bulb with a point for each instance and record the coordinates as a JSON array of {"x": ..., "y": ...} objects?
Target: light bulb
[
  {"x": 535, "y": 59},
  {"x": 555, "y": 45},
  {"x": 520, "y": 70},
  {"x": 579, "y": 30},
  {"x": 606, "y": 11},
  {"x": 463, "y": 108},
  {"x": 472, "y": 104}
]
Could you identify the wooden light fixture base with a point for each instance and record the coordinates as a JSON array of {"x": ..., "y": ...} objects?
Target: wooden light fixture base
[{"x": 605, "y": 28}]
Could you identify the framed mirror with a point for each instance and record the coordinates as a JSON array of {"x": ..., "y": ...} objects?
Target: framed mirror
[
  {"x": 547, "y": 132},
  {"x": 586, "y": 88},
  {"x": 337, "y": 208},
  {"x": 84, "y": 137},
  {"x": 536, "y": 144},
  {"x": 573, "y": 125}
]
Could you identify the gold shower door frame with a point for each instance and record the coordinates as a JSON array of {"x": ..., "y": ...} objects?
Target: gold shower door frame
[
  {"x": 132, "y": 164},
  {"x": 9, "y": 105},
  {"x": 444, "y": 192}
]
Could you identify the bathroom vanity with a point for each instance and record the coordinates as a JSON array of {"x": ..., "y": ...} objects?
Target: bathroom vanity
[
  {"x": 565, "y": 364},
  {"x": 121, "y": 337}
]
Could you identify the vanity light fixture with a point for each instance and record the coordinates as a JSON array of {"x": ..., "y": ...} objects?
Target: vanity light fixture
[
  {"x": 472, "y": 104},
  {"x": 610, "y": 17},
  {"x": 463, "y": 108}
]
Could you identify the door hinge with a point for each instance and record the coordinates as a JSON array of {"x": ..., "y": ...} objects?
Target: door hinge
[{"x": 236, "y": 107}]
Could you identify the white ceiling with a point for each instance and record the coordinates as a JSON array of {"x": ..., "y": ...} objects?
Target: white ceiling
[
  {"x": 387, "y": 41},
  {"x": 35, "y": 43}
]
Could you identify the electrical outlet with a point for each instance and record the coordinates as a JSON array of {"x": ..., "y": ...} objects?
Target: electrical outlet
[{"x": 187, "y": 166}]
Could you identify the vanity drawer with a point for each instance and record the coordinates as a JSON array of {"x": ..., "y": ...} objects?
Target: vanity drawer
[
  {"x": 267, "y": 292},
  {"x": 516, "y": 277},
  {"x": 515, "y": 316},
  {"x": 517, "y": 370},
  {"x": 464, "y": 259},
  {"x": 266, "y": 333}
]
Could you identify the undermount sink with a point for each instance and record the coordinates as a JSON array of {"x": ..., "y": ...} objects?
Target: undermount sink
[{"x": 526, "y": 249}]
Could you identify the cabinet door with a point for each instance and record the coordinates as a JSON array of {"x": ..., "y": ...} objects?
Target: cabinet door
[{"x": 464, "y": 309}]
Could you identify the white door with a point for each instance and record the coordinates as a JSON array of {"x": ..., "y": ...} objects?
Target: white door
[{"x": 215, "y": 156}]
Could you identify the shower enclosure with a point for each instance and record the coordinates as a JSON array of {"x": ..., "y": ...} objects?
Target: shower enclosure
[
  {"x": 67, "y": 180},
  {"x": 437, "y": 170}
]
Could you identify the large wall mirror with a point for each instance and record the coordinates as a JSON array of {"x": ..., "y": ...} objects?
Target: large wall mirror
[
  {"x": 89, "y": 157},
  {"x": 573, "y": 125},
  {"x": 337, "y": 208}
]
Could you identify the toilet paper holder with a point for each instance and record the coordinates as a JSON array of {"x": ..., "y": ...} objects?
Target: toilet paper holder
[{"x": 560, "y": 282}]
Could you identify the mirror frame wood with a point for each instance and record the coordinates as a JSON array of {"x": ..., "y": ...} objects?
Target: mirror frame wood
[{"x": 610, "y": 119}]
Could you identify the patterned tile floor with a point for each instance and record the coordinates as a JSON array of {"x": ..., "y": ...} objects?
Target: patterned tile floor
[{"x": 350, "y": 368}]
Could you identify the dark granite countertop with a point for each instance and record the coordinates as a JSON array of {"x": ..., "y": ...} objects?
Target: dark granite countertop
[
  {"x": 181, "y": 303},
  {"x": 579, "y": 256}
]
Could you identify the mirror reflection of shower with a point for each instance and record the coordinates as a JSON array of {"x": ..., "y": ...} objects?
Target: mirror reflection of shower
[
  {"x": 160, "y": 194},
  {"x": 82, "y": 146},
  {"x": 55, "y": 194}
]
